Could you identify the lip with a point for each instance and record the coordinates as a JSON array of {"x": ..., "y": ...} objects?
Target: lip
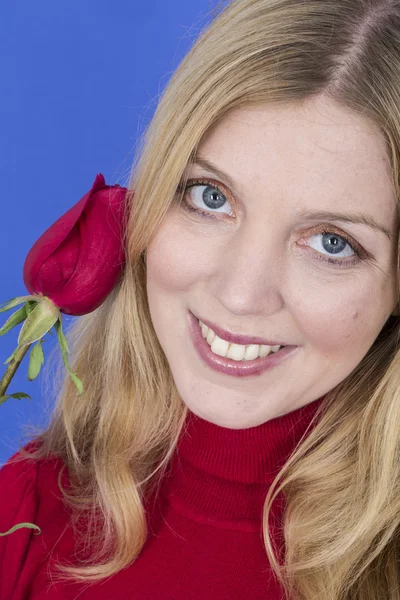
[
  {"x": 229, "y": 366},
  {"x": 233, "y": 338}
]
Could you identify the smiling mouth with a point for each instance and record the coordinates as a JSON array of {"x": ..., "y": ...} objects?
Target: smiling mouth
[
  {"x": 237, "y": 352},
  {"x": 228, "y": 366}
]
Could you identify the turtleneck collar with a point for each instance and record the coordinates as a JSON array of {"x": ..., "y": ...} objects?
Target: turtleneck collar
[{"x": 219, "y": 476}]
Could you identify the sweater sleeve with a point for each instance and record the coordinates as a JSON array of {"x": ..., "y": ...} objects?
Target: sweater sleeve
[{"x": 19, "y": 502}]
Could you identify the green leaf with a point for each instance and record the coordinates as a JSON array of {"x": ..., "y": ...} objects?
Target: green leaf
[
  {"x": 15, "y": 396},
  {"x": 38, "y": 322},
  {"x": 78, "y": 383},
  {"x": 28, "y": 525},
  {"x": 64, "y": 350},
  {"x": 19, "y": 300},
  {"x": 36, "y": 360},
  {"x": 15, "y": 319}
]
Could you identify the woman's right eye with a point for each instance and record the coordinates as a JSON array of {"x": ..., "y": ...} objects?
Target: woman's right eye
[{"x": 203, "y": 195}]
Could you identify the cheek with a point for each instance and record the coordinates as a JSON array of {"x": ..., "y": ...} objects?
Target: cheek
[
  {"x": 176, "y": 260},
  {"x": 335, "y": 331},
  {"x": 343, "y": 319}
]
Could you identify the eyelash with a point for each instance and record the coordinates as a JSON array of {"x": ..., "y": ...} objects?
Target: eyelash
[{"x": 361, "y": 254}]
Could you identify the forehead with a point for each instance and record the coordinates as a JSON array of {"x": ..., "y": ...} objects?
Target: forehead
[{"x": 316, "y": 151}]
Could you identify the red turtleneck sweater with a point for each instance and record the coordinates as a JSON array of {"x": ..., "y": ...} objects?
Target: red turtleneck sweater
[{"x": 205, "y": 532}]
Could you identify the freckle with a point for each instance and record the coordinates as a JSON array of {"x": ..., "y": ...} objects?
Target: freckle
[{"x": 355, "y": 315}]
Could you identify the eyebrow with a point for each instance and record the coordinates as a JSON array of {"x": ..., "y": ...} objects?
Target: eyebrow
[{"x": 359, "y": 218}]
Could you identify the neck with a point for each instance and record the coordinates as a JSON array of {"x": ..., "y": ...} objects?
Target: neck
[{"x": 220, "y": 476}]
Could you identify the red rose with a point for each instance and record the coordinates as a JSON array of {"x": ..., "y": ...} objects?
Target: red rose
[{"x": 79, "y": 259}]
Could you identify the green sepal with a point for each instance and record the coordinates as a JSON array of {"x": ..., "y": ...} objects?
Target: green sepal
[
  {"x": 28, "y": 525},
  {"x": 38, "y": 322},
  {"x": 19, "y": 300},
  {"x": 36, "y": 360},
  {"x": 64, "y": 350},
  {"x": 15, "y": 396},
  {"x": 9, "y": 359},
  {"x": 29, "y": 306},
  {"x": 15, "y": 319}
]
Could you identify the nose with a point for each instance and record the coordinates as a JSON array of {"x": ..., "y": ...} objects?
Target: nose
[{"x": 251, "y": 274}]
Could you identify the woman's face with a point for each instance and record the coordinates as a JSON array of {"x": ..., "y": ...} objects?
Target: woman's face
[{"x": 263, "y": 266}]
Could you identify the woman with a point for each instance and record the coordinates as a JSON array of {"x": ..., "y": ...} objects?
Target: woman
[{"x": 263, "y": 213}]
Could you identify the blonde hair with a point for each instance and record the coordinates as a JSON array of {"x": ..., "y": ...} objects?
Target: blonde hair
[{"x": 342, "y": 483}]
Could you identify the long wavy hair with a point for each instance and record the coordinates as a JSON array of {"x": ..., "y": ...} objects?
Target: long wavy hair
[{"x": 342, "y": 483}]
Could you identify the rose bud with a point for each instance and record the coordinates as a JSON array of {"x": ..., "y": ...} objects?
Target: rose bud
[
  {"x": 78, "y": 260},
  {"x": 70, "y": 269}
]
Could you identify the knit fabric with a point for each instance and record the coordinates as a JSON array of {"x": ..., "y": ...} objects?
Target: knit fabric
[{"x": 205, "y": 526}]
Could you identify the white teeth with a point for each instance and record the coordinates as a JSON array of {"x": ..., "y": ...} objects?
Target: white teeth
[
  {"x": 235, "y": 351},
  {"x": 204, "y": 329},
  {"x": 219, "y": 346},
  {"x": 210, "y": 336}
]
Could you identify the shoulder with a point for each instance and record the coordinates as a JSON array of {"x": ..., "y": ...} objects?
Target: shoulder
[
  {"x": 29, "y": 494},
  {"x": 18, "y": 485},
  {"x": 22, "y": 478}
]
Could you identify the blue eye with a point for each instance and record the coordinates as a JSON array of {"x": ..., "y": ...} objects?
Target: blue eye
[
  {"x": 211, "y": 196},
  {"x": 333, "y": 243}
]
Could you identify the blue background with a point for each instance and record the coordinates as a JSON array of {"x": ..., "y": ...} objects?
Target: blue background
[{"x": 80, "y": 81}]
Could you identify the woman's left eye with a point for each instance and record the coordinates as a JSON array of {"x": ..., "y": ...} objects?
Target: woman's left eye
[
  {"x": 336, "y": 244},
  {"x": 326, "y": 239}
]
